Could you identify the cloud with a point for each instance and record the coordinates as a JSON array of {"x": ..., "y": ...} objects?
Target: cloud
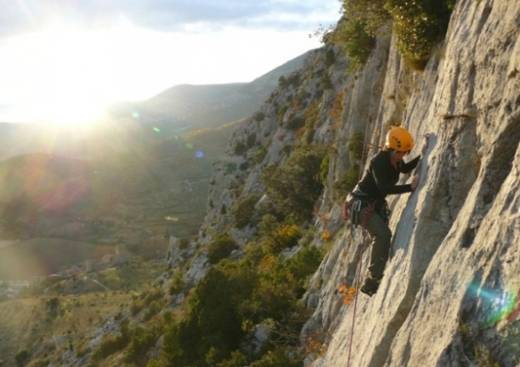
[{"x": 165, "y": 15}]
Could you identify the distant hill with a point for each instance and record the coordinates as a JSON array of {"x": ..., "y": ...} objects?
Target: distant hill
[
  {"x": 132, "y": 181},
  {"x": 185, "y": 107}
]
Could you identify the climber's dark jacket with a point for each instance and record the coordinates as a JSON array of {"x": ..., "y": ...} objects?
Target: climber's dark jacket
[{"x": 381, "y": 177}]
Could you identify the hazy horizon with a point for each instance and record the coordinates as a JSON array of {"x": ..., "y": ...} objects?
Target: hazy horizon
[{"x": 66, "y": 63}]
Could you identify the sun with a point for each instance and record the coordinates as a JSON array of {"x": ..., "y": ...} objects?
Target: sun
[{"x": 62, "y": 75}]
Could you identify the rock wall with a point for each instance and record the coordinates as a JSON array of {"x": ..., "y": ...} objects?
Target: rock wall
[{"x": 449, "y": 294}]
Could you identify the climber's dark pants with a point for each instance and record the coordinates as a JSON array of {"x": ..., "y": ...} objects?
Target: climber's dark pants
[{"x": 378, "y": 229}]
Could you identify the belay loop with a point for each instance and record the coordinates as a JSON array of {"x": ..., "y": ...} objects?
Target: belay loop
[{"x": 358, "y": 210}]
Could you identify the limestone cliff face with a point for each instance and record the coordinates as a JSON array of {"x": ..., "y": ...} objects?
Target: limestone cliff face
[{"x": 449, "y": 294}]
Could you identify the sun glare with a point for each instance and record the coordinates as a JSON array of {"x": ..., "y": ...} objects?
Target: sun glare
[
  {"x": 63, "y": 75},
  {"x": 68, "y": 75}
]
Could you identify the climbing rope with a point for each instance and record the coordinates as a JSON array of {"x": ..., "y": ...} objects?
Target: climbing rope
[{"x": 357, "y": 278}]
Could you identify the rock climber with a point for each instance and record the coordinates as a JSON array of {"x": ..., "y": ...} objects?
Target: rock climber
[{"x": 367, "y": 204}]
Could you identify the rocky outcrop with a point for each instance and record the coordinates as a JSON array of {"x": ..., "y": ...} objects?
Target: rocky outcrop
[
  {"x": 449, "y": 295},
  {"x": 455, "y": 238}
]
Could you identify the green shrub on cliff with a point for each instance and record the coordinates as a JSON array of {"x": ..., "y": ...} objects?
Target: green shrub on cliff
[
  {"x": 295, "y": 186},
  {"x": 418, "y": 24},
  {"x": 220, "y": 248}
]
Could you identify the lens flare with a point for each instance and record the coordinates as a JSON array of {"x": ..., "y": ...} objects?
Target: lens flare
[
  {"x": 157, "y": 130},
  {"x": 499, "y": 304},
  {"x": 136, "y": 115},
  {"x": 199, "y": 154}
]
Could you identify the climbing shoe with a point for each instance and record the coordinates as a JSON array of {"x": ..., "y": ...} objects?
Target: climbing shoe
[{"x": 370, "y": 286}]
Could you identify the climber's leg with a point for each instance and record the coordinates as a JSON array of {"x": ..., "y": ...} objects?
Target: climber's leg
[{"x": 382, "y": 236}]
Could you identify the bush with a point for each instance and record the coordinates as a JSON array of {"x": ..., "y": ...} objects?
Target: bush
[
  {"x": 22, "y": 357},
  {"x": 136, "y": 307},
  {"x": 184, "y": 243},
  {"x": 355, "y": 146},
  {"x": 212, "y": 326},
  {"x": 142, "y": 340},
  {"x": 419, "y": 25},
  {"x": 295, "y": 186},
  {"x": 220, "y": 248},
  {"x": 330, "y": 57},
  {"x": 152, "y": 310},
  {"x": 152, "y": 295},
  {"x": 260, "y": 154},
  {"x": 347, "y": 182},
  {"x": 237, "y": 359},
  {"x": 324, "y": 170},
  {"x": 259, "y": 116},
  {"x": 244, "y": 210},
  {"x": 235, "y": 296},
  {"x": 278, "y": 358},
  {"x": 285, "y": 236},
  {"x": 304, "y": 264},
  {"x": 280, "y": 112},
  {"x": 282, "y": 82},
  {"x": 240, "y": 148},
  {"x": 294, "y": 79},
  {"x": 357, "y": 42},
  {"x": 111, "y": 344},
  {"x": 295, "y": 123},
  {"x": 177, "y": 283}
]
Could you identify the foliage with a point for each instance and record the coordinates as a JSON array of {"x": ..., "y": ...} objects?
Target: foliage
[
  {"x": 330, "y": 57},
  {"x": 142, "y": 340},
  {"x": 419, "y": 25},
  {"x": 277, "y": 358},
  {"x": 184, "y": 243},
  {"x": 53, "y": 307},
  {"x": 337, "y": 108},
  {"x": 230, "y": 168},
  {"x": 295, "y": 123},
  {"x": 304, "y": 263},
  {"x": 220, "y": 248},
  {"x": 235, "y": 296},
  {"x": 284, "y": 236},
  {"x": 355, "y": 146},
  {"x": 237, "y": 359},
  {"x": 371, "y": 13},
  {"x": 251, "y": 140},
  {"x": 295, "y": 186},
  {"x": 244, "y": 210},
  {"x": 282, "y": 82},
  {"x": 311, "y": 116},
  {"x": 240, "y": 148},
  {"x": 326, "y": 83},
  {"x": 213, "y": 321},
  {"x": 358, "y": 44},
  {"x": 176, "y": 283},
  {"x": 152, "y": 310},
  {"x": 259, "y": 116},
  {"x": 280, "y": 112},
  {"x": 111, "y": 344},
  {"x": 260, "y": 154},
  {"x": 151, "y": 295},
  {"x": 347, "y": 182},
  {"x": 324, "y": 170},
  {"x": 22, "y": 357}
]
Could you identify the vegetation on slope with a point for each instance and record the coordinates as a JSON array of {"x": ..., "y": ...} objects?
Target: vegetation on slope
[{"x": 418, "y": 24}]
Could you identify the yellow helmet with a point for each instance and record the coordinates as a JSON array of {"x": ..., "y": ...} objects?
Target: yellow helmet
[{"x": 399, "y": 139}]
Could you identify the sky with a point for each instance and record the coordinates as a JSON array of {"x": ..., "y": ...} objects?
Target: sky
[{"x": 67, "y": 60}]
